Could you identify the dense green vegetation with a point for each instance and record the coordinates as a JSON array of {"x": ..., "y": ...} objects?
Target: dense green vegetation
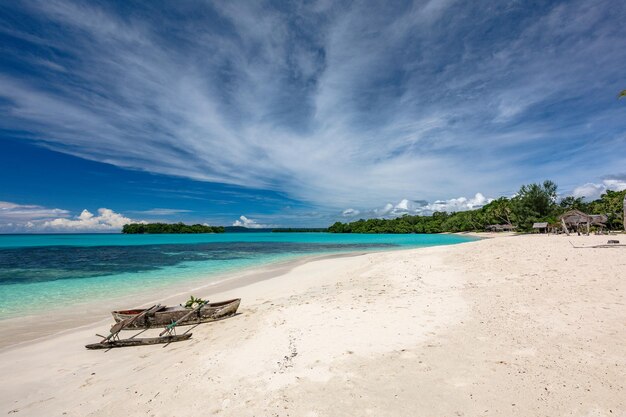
[
  {"x": 532, "y": 203},
  {"x": 156, "y": 228},
  {"x": 300, "y": 230},
  {"x": 242, "y": 229}
]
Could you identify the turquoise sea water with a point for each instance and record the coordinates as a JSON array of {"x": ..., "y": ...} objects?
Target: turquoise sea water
[{"x": 38, "y": 272}]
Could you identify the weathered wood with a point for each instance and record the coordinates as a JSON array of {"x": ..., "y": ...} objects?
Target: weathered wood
[
  {"x": 167, "y": 315},
  {"x": 609, "y": 245},
  {"x": 169, "y": 327},
  {"x": 116, "y": 328},
  {"x": 139, "y": 341}
]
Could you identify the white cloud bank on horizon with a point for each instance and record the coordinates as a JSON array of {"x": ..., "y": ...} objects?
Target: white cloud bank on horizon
[
  {"x": 106, "y": 220},
  {"x": 243, "y": 221},
  {"x": 406, "y": 206},
  {"x": 348, "y": 105},
  {"x": 22, "y": 218},
  {"x": 457, "y": 204},
  {"x": 21, "y": 213},
  {"x": 592, "y": 191}
]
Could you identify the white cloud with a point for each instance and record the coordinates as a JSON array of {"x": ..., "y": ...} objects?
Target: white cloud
[
  {"x": 22, "y": 213},
  {"x": 403, "y": 205},
  {"x": 16, "y": 218},
  {"x": 249, "y": 223},
  {"x": 457, "y": 204},
  {"x": 592, "y": 191},
  {"x": 385, "y": 210},
  {"x": 350, "y": 212},
  {"x": 106, "y": 220},
  {"x": 406, "y": 206}
]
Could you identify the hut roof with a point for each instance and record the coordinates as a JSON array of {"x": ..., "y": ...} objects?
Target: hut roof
[
  {"x": 575, "y": 217},
  {"x": 573, "y": 213},
  {"x": 599, "y": 218}
]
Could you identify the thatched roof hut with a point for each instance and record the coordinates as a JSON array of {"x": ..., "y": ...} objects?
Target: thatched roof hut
[{"x": 576, "y": 218}]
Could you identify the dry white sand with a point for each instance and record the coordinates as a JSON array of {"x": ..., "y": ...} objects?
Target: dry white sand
[{"x": 524, "y": 325}]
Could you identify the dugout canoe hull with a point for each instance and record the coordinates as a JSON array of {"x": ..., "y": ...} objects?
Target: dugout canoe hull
[{"x": 167, "y": 315}]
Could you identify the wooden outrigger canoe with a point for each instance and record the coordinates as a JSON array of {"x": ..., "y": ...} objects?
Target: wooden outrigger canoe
[
  {"x": 168, "y": 335},
  {"x": 163, "y": 316},
  {"x": 141, "y": 341}
]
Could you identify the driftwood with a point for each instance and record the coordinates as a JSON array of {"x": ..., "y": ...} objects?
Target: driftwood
[
  {"x": 611, "y": 245},
  {"x": 138, "y": 342}
]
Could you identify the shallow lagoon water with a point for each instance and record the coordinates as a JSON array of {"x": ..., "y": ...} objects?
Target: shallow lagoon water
[{"x": 38, "y": 272}]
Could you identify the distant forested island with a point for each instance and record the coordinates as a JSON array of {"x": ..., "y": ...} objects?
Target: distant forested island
[
  {"x": 162, "y": 228},
  {"x": 242, "y": 229},
  {"x": 300, "y": 230},
  {"x": 532, "y": 203}
]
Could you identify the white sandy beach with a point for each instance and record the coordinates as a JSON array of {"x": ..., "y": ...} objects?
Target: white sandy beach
[{"x": 519, "y": 325}]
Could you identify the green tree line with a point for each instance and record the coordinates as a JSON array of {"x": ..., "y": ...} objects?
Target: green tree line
[
  {"x": 300, "y": 230},
  {"x": 532, "y": 203},
  {"x": 158, "y": 228}
]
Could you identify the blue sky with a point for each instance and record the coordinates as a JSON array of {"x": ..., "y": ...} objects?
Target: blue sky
[{"x": 301, "y": 113}]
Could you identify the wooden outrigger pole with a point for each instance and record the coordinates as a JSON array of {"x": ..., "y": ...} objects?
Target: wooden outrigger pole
[
  {"x": 170, "y": 327},
  {"x": 113, "y": 340}
]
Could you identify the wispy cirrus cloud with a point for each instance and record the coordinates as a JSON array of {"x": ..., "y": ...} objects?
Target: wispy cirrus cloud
[
  {"x": 162, "y": 211},
  {"x": 338, "y": 106},
  {"x": 23, "y": 213}
]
